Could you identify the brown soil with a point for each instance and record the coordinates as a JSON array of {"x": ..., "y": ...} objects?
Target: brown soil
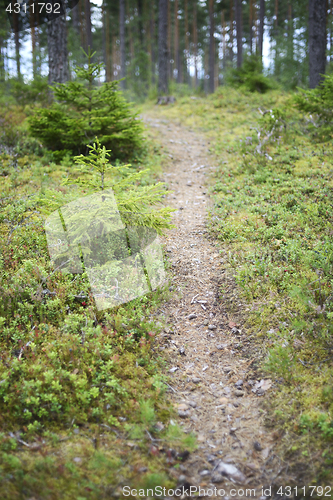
[{"x": 205, "y": 354}]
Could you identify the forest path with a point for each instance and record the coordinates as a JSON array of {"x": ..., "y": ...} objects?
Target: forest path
[{"x": 212, "y": 384}]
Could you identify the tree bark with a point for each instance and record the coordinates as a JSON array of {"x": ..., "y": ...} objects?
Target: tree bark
[
  {"x": 177, "y": 58},
  {"x": 106, "y": 41},
  {"x": 163, "y": 87},
  {"x": 261, "y": 27},
  {"x": 17, "y": 45},
  {"x": 76, "y": 18},
  {"x": 88, "y": 24},
  {"x": 195, "y": 43},
  {"x": 57, "y": 50},
  {"x": 317, "y": 41},
  {"x": 211, "y": 63},
  {"x": 239, "y": 34},
  {"x": 152, "y": 45},
  {"x": 231, "y": 32},
  {"x": 140, "y": 26},
  {"x": 187, "y": 45},
  {"x": 122, "y": 41},
  {"x": 290, "y": 33},
  {"x": 251, "y": 25}
]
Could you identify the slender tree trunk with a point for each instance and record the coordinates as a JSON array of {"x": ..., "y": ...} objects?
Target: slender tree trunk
[
  {"x": 2, "y": 60},
  {"x": 33, "y": 40},
  {"x": 122, "y": 41},
  {"x": 317, "y": 41},
  {"x": 57, "y": 49},
  {"x": 290, "y": 33},
  {"x": 331, "y": 31},
  {"x": 211, "y": 63},
  {"x": 195, "y": 43},
  {"x": 17, "y": 45},
  {"x": 231, "y": 33},
  {"x": 187, "y": 45},
  {"x": 88, "y": 23},
  {"x": 163, "y": 87},
  {"x": 106, "y": 42},
  {"x": 82, "y": 26},
  {"x": 261, "y": 27},
  {"x": 140, "y": 26},
  {"x": 76, "y": 18},
  {"x": 170, "y": 64},
  {"x": 152, "y": 44},
  {"x": 176, "y": 47},
  {"x": 251, "y": 26},
  {"x": 130, "y": 31},
  {"x": 239, "y": 32},
  {"x": 223, "y": 38}
]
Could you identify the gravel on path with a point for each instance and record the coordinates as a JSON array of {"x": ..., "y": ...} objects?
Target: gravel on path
[{"x": 210, "y": 379}]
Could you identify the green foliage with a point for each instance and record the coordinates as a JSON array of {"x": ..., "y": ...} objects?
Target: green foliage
[
  {"x": 134, "y": 201},
  {"x": 83, "y": 110},
  {"x": 250, "y": 76},
  {"x": 318, "y": 103},
  {"x": 37, "y": 90}
]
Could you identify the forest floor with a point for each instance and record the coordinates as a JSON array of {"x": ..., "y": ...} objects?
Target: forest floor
[{"x": 217, "y": 391}]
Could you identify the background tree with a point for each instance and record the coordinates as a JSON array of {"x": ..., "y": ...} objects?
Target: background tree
[
  {"x": 163, "y": 87},
  {"x": 57, "y": 50},
  {"x": 317, "y": 41}
]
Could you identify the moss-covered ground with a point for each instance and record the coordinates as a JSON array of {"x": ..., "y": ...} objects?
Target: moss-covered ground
[{"x": 83, "y": 405}]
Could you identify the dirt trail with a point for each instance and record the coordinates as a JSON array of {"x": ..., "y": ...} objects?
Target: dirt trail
[{"x": 211, "y": 382}]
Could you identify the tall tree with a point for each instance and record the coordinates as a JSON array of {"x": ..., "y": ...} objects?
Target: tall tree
[
  {"x": 317, "y": 41},
  {"x": 261, "y": 26},
  {"x": 195, "y": 43},
  {"x": 251, "y": 25},
  {"x": 122, "y": 41},
  {"x": 76, "y": 18},
  {"x": 211, "y": 61},
  {"x": 57, "y": 50},
  {"x": 231, "y": 31},
  {"x": 17, "y": 44},
  {"x": 87, "y": 10},
  {"x": 163, "y": 87},
  {"x": 176, "y": 40},
  {"x": 239, "y": 32}
]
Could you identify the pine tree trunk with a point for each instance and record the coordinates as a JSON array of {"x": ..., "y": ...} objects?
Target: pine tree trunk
[
  {"x": 290, "y": 34},
  {"x": 122, "y": 41},
  {"x": 140, "y": 28},
  {"x": 223, "y": 38},
  {"x": 152, "y": 45},
  {"x": 33, "y": 40},
  {"x": 261, "y": 27},
  {"x": 251, "y": 25},
  {"x": 163, "y": 47},
  {"x": 17, "y": 45},
  {"x": 231, "y": 32},
  {"x": 76, "y": 18},
  {"x": 106, "y": 42},
  {"x": 57, "y": 50},
  {"x": 211, "y": 63},
  {"x": 195, "y": 43},
  {"x": 82, "y": 26},
  {"x": 169, "y": 42},
  {"x": 239, "y": 34},
  {"x": 317, "y": 41},
  {"x": 88, "y": 23},
  {"x": 176, "y": 47},
  {"x": 187, "y": 49}
]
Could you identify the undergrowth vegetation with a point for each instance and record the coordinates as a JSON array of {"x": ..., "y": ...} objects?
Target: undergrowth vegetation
[
  {"x": 273, "y": 213},
  {"x": 82, "y": 391}
]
